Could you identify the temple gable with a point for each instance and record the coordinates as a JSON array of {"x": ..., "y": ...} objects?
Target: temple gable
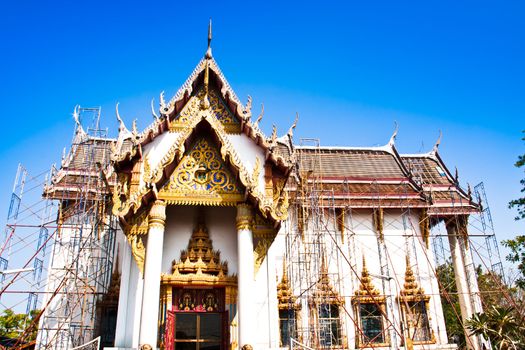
[
  {"x": 202, "y": 177},
  {"x": 217, "y": 109}
]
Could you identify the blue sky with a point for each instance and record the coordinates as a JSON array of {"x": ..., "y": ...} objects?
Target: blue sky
[{"x": 350, "y": 69}]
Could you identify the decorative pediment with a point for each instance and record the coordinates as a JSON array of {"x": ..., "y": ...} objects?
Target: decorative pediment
[
  {"x": 216, "y": 107},
  {"x": 324, "y": 291},
  {"x": 367, "y": 292},
  {"x": 202, "y": 177},
  {"x": 199, "y": 263},
  {"x": 411, "y": 290},
  {"x": 204, "y": 104},
  {"x": 285, "y": 298}
]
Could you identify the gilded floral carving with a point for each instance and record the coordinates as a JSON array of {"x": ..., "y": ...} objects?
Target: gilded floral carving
[
  {"x": 214, "y": 105},
  {"x": 200, "y": 177}
]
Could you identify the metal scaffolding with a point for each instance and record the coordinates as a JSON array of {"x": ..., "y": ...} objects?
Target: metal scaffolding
[
  {"x": 25, "y": 249},
  {"x": 73, "y": 264},
  {"x": 323, "y": 232}
]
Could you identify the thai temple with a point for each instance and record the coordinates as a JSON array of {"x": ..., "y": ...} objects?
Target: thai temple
[{"x": 207, "y": 234}]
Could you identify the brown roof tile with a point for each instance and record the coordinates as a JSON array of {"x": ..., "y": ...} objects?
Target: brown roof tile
[{"x": 348, "y": 163}]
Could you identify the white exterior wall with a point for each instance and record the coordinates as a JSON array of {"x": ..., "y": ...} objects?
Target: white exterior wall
[
  {"x": 400, "y": 236},
  {"x": 248, "y": 152}
]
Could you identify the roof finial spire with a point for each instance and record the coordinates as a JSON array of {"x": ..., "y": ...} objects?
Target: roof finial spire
[
  {"x": 392, "y": 140},
  {"x": 208, "y": 51},
  {"x": 438, "y": 142}
]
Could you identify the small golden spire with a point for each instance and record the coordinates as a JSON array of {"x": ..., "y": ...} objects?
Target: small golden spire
[
  {"x": 285, "y": 297},
  {"x": 410, "y": 287},
  {"x": 205, "y": 103},
  {"x": 366, "y": 288}
]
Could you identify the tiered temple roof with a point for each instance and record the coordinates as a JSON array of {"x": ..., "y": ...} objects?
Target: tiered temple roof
[
  {"x": 82, "y": 171},
  {"x": 366, "y": 177}
]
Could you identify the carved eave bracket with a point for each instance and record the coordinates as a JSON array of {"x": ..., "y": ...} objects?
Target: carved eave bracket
[
  {"x": 424, "y": 226},
  {"x": 136, "y": 230},
  {"x": 264, "y": 233},
  {"x": 378, "y": 220}
]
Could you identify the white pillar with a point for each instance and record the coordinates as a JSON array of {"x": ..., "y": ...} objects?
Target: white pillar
[
  {"x": 455, "y": 233},
  {"x": 152, "y": 270},
  {"x": 245, "y": 277},
  {"x": 470, "y": 272},
  {"x": 122, "y": 314}
]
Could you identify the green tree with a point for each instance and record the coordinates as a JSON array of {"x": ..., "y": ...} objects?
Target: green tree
[
  {"x": 493, "y": 292},
  {"x": 11, "y": 324},
  {"x": 450, "y": 304},
  {"x": 15, "y": 325},
  {"x": 500, "y": 326},
  {"x": 517, "y": 245},
  {"x": 519, "y": 203}
]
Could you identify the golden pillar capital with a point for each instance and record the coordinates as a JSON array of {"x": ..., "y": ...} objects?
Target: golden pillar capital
[
  {"x": 157, "y": 214},
  {"x": 245, "y": 217}
]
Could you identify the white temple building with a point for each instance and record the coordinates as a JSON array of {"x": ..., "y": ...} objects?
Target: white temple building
[{"x": 226, "y": 238}]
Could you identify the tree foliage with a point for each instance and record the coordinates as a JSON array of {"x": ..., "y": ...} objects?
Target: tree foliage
[
  {"x": 517, "y": 256},
  {"x": 494, "y": 292},
  {"x": 500, "y": 326},
  {"x": 519, "y": 203},
  {"x": 13, "y": 325},
  {"x": 450, "y": 304},
  {"x": 517, "y": 245}
]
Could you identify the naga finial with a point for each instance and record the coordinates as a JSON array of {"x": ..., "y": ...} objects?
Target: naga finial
[
  {"x": 76, "y": 115},
  {"x": 208, "y": 54},
  {"x": 162, "y": 101},
  {"x": 155, "y": 116},
  {"x": 134, "y": 130},
  {"x": 274, "y": 134},
  {"x": 248, "y": 108},
  {"x": 394, "y": 135},
  {"x": 259, "y": 118},
  {"x": 121, "y": 125},
  {"x": 438, "y": 142},
  {"x": 294, "y": 125}
]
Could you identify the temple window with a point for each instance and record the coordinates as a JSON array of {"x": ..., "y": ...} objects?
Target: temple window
[
  {"x": 287, "y": 326},
  {"x": 414, "y": 309},
  {"x": 370, "y": 310},
  {"x": 326, "y": 302},
  {"x": 416, "y": 321},
  {"x": 288, "y": 310},
  {"x": 329, "y": 323},
  {"x": 371, "y": 319}
]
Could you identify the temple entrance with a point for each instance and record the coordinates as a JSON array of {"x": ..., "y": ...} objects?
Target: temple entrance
[
  {"x": 199, "y": 319},
  {"x": 199, "y": 331},
  {"x": 198, "y": 299}
]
